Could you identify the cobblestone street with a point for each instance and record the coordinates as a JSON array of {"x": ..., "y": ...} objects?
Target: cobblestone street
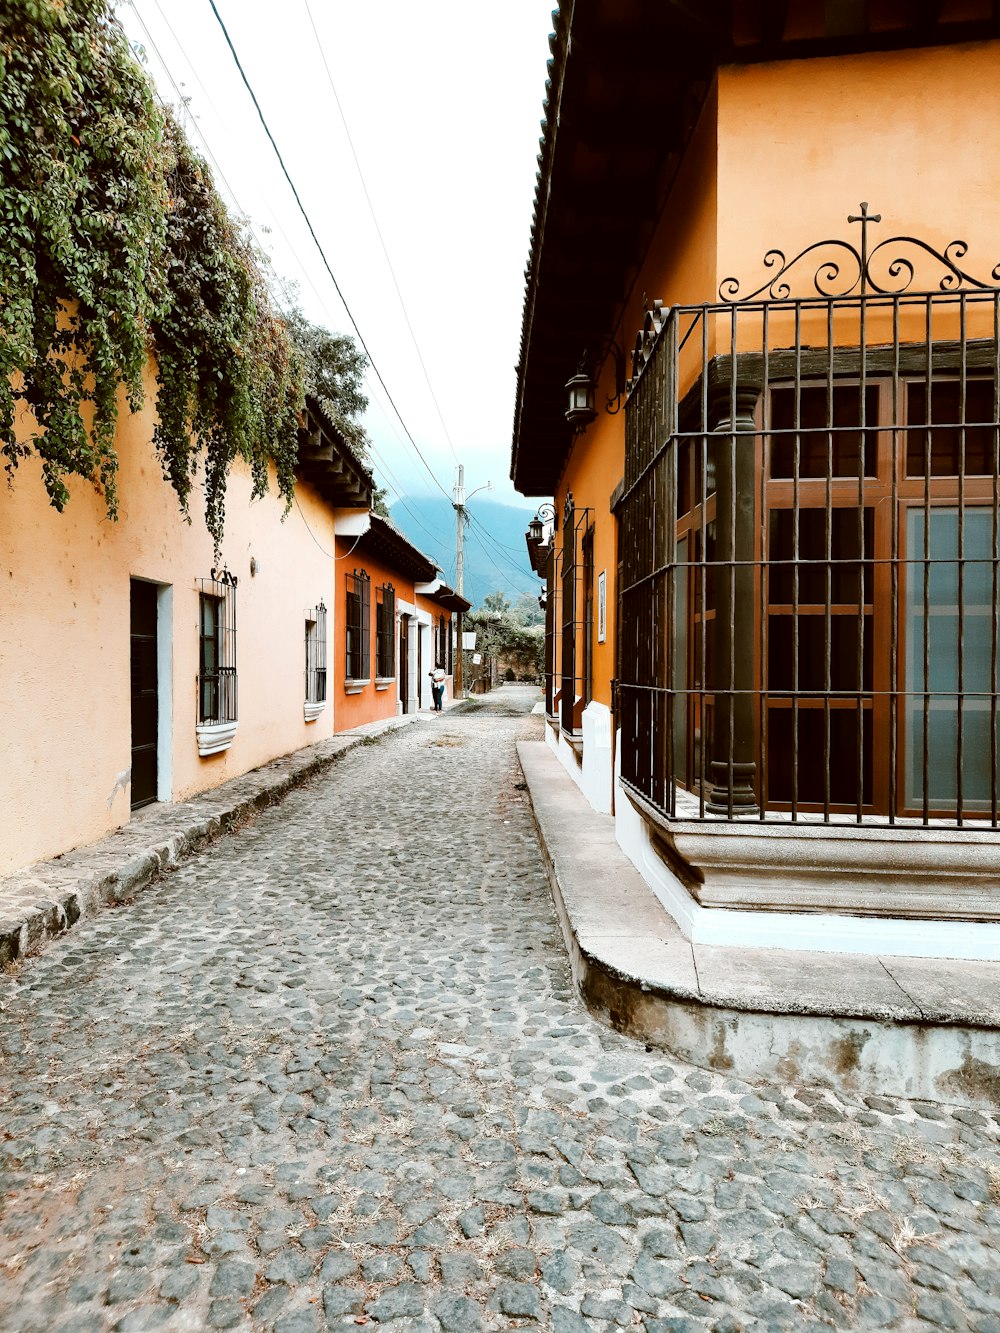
[{"x": 332, "y": 1071}]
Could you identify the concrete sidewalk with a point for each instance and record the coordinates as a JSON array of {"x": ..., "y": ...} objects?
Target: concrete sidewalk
[
  {"x": 909, "y": 1026},
  {"x": 49, "y": 897}
]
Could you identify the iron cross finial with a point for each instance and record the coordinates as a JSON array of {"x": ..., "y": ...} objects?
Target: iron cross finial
[{"x": 864, "y": 218}]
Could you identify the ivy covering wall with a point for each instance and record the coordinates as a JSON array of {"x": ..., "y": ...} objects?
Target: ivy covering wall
[{"x": 114, "y": 245}]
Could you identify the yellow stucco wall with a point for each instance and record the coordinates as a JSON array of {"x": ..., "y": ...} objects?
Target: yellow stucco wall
[
  {"x": 782, "y": 153},
  {"x": 65, "y": 705},
  {"x": 802, "y": 142},
  {"x": 678, "y": 267}
]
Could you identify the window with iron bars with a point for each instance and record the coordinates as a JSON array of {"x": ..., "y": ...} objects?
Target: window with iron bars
[
  {"x": 315, "y": 645},
  {"x": 357, "y": 621},
  {"x": 385, "y": 632},
  {"x": 573, "y": 639},
  {"x": 809, "y": 587},
  {"x": 217, "y": 680},
  {"x": 587, "y": 645}
]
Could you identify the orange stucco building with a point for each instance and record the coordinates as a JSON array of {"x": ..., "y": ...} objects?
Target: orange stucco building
[
  {"x": 770, "y": 567},
  {"x": 135, "y": 666},
  {"x": 398, "y": 620}
]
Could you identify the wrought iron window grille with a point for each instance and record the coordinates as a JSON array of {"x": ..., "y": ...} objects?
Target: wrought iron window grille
[
  {"x": 315, "y": 654},
  {"x": 810, "y": 552},
  {"x": 573, "y": 648},
  {"x": 217, "y": 678},
  {"x": 357, "y": 621},
  {"x": 385, "y": 632}
]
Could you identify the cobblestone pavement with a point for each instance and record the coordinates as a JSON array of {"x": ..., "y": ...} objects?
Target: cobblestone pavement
[{"x": 331, "y": 1071}]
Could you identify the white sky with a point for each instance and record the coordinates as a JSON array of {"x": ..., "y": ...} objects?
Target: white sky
[{"x": 443, "y": 102}]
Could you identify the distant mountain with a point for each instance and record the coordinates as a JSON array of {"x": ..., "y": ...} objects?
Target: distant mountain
[{"x": 496, "y": 558}]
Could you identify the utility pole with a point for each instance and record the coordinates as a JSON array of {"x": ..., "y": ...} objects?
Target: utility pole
[{"x": 458, "y": 500}]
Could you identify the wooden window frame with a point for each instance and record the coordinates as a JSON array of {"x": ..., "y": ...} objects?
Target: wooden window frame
[
  {"x": 385, "y": 632},
  {"x": 357, "y": 623}
]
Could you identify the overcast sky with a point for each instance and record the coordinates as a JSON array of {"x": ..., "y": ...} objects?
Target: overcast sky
[{"x": 443, "y": 102}]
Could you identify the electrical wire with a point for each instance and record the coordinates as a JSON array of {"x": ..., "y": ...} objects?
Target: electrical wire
[
  {"x": 513, "y": 587},
  {"x": 319, "y": 247},
  {"x": 482, "y": 531},
  {"x": 210, "y": 156},
  {"x": 316, "y": 539},
  {"x": 392, "y": 482},
  {"x": 494, "y": 539},
  {"x": 378, "y": 229}
]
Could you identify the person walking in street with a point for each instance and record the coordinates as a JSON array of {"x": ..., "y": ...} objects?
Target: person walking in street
[{"x": 437, "y": 686}]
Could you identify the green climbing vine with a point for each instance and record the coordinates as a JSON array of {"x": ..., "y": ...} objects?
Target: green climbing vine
[{"x": 114, "y": 244}]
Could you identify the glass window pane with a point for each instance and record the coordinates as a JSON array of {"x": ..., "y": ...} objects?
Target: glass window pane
[
  {"x": 850, "y": 578},
  {"x": 812, "y": 740},
  {"x": 952, "y": 627},
  {"x": 680, "y": 650},
  {"x": 827, "y": 444},
  {"x": 943, "y": 441}
]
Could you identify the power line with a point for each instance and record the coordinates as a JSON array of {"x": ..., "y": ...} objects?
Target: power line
[
  {"x": 378, "y": 230},
  {"x": 496, "y": 568},
  {"x": 180, "y": 47},
  {"x": 500, "y": 550},
  {"x": 388, "y": 476},
  {"x": 316, "y": 539},
  {"x": 275, "y": 275},
  {"x": 496, "y": 540},
  {"x": 319, "y": 247},
  {"x": 391, "y": 480}
]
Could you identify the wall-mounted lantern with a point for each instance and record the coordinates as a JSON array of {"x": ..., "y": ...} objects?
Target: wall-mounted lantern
[
  {"x": 581, "y": 387},
  {"x": 580, "y": 410},
  {"x": 539, "y": 537}
]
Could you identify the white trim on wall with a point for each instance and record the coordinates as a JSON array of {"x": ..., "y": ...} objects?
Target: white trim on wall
[{"x": 164, "y": 692}]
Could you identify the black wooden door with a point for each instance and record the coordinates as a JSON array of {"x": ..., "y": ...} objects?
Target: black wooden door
[{"x": 144, "y": 701}]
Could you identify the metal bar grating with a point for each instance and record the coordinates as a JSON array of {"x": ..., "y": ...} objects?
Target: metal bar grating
[
  {"x": 809, "y": 574},
  {"x": 217, "y": 679}
]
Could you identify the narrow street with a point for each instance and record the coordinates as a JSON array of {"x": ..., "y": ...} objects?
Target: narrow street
[{"x": 332, "y": 1071}]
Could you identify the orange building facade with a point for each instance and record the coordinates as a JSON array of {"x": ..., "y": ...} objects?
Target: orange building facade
[
  {"x": 771, "y": 570},
  {"x": 137, "y": 666},
  {"x": 396, "y": 620}
]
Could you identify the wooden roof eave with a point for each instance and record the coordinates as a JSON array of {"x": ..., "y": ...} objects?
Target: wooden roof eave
[
  {"x": 329, "y": 463},
  {"x": 634, "y": 77},
  {"x": 390, "y": 546}
]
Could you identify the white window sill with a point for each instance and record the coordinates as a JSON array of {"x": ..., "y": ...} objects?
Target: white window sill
[
  {"x": 383, "y": 682},
  {"x": 214, "y": 737},
  {"x": 311, "y": 710},
  {"x": 355, "y": 686}
]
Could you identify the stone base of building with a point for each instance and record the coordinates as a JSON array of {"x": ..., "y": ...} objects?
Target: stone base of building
[
  {"x": 859, "y": 1021},
  {"x": 914, "y": 892}
]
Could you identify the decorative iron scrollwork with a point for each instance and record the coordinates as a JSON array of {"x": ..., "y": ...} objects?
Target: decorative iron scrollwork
[
  {"x": 645, "y": 340},
  {"x": 223, "y": 576},
  {"x": 847, "y": 270}
]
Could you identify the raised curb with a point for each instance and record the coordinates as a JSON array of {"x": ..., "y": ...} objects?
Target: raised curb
[
  {"x": 50, "y": 897},
  {"x": 913, "y": 1027}
]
